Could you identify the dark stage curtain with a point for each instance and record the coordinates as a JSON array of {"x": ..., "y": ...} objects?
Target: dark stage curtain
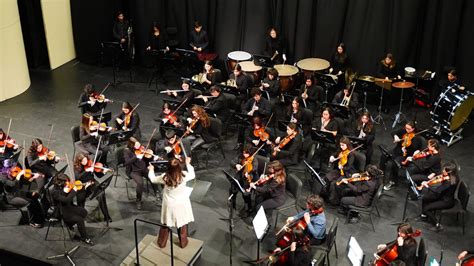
[{"x": 425, "y": 34}]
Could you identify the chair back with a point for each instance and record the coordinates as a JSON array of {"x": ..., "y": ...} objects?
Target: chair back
[
  {"x": 75, "y": 134},
  {"x": 422, "y": 253},
  {"x": 216, "y": 127},
  {"x": 359, "y": 162},
  {"x": 331, "y": 235},
  {"x": 463, "y": 194},
  {"x": 294, "y": 186},
  {"x": 119, "y": 156}
]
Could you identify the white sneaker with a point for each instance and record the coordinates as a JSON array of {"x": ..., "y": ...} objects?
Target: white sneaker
[{"x": 389, "y": 185}]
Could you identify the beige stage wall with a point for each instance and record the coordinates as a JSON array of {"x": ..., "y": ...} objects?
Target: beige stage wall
[{"x": 14, "y": 75}]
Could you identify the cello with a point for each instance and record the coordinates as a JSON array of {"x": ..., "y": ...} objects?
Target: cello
[{"x": 390, "y": 252}]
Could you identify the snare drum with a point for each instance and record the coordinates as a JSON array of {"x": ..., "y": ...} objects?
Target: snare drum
[
  {"x": 233, "y": 58},
  {"x": 452, "y": 109},
  {"x": 253, "y": 70},
  {"x": 287, "y": 76}
]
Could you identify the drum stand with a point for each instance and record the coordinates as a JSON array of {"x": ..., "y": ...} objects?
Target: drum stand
[
  {"x": 399, "y": 115},
  {"x": 379, "y": 119},
  {"x": 364, "y": 109}
]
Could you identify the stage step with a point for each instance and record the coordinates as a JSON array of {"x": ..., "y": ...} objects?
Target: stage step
[{"x": 151, "y": 254}]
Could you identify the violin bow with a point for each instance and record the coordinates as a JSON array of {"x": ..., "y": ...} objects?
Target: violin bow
[
  {"x": 71, "y": 173},
  {"x": 149, "y": 140},
  {"x": 50, "y": 135},
  {"x": 179, "y": 106},
  {"x": 106, "y": 87},
  {"x": 96, "y": 152},
  {"x": 100, "y": 118},
  {"x": 8, "y": 134},
  {"x": 356, "y": 148},
  {"x": 253, "y": 154}
]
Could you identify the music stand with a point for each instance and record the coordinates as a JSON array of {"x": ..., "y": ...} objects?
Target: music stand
[
  {"x": 355, "y": 254},
  {"x": 194, "y": 84},
  {"x": 157, "y": 56},
  {"x": 106, "y": 117},
  {"x": 340, "y": 111},
  {"x": 322, "y": 136},
  {"x": 243, "y": 119},
  {"x": 315, "y": 175},
  {"x": 119, "y": 137},
  {"x": 328, "y": 82},
  {"x": 260, "y": 226},
  {"x": 263, "y": 60},
  {"x": 228, "y": 89},
  {"x": 160, "y": 166},
  {"x": 387, "y": 154},
  {"x": 379, "y": 118},
  {"x": 356, "y": 141},
  {"x": 412, "y": 187},
  {"x": 189, "y": 57}
]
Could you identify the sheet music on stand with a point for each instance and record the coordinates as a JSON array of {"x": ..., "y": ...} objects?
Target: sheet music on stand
[
  {"x": 356, "y": 141},
  {"x": 322, "y": 136},
  {"x": 315, "y": 174},
  {"x": 325, "y": 78},
  {"x": 119, "y": 136},
  {"x": 260, "y": 223},
  {"x": 389, "y": 156},
  {"x": 355, "y": 254},
  {"x": 232, "y": 180},
  {"x": 340, "y": 111},
  {"x": 413, "y": 185}
]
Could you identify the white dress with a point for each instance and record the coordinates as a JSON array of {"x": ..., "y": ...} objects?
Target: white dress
[{"x": 176, "y": 209}]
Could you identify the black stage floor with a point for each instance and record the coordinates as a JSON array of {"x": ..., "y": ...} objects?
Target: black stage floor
[{"x": 52, "y": 99}]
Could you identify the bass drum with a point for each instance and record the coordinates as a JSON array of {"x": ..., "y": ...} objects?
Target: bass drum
[{"x": 452, "y": 109}]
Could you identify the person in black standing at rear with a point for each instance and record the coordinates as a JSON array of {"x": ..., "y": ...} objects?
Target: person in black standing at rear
[
  {"x": 388, "y": 70},
  {"x": 72, "y": 214},
  {"x": 120, "y": 35},
  {"x": 198, "y": 38},
  {"x": 339, "y": 62},
  {"x": 275, "y": 47},
  {"x": 157, "y": 47},
  {"x": 128, "y": 120}
]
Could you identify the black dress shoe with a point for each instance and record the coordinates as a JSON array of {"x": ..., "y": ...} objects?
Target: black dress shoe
[{"x": 437, "y": 228}]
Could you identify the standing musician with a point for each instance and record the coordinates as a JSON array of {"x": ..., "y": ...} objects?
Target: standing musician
[
  {"x": 120, "y": 30},
  {"x": 300, "y": 116},
  {"x": 425, "y": 162},
  {"x": 42, "y": 160},
  {"x": 275, "y": 47},
  {"x": 185, "y": 94},
  {"x": 128, "y": 120},
  {"x": 91, "y": 101},
  {"x": 270, "y": 189},
  {"x": 438, "y": 193},
  {"x": 199, "y": 124},
  {"x": 10, "y": 176},
  {"x": 135, "y": 167},
  {"x": 216, "y": 103},
  {"x": 198, "y": 38},
  {"x": 84, "y": 171},
  {"x": 176, "y": 209},
  {"x": 257, "y": 104},
  {"x": 89, "y": 136},
  {"x": 243, "y": 83},
  {"x": 168, "y": 118},
  {"x": 271, "y": 85},
  {"x": 341, "y": 163},
  {"x": 286, "y": 149},
  {"x": 339, "y": 63},
  {"x": 357, "y": 190},
  {"x": 63, "y": 193},
  {"x": 407, "y": 142},
  {"x": 312, "y": 95},
  {"x": 314, "y": 218},
  {"x": 8, "y": 145},
  {"x": 247, "y": 170},
  {"x": 157, "y": 40},
  {"x": 402, "y": 249},
  {"x": 364, "y": 128}
]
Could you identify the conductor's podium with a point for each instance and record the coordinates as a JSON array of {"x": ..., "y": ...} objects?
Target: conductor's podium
[{"x": 151, "y": 254}]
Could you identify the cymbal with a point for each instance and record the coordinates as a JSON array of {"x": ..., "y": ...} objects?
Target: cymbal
[
  {"x": 313, "y": 64},
  {"x": 366, "y": 78},
  {"x": 403, "y": 85}
]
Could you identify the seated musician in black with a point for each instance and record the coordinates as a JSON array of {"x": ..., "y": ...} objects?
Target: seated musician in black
[
  {"x": 257, "y": 104},
  {"x": 300, "y": 116},
  {"x": 423, "y": 163},
  {"x": 211, "y": 75},
  {"x": 198, "y": 38},
  {"x": 258, "y": 134},
  {"x": 88, "y": 101},
  {"x": 168, "y": 118},
  {"x": 64, "y": 195},
  {"x": 341, "y": 163},
  {"x": 312, "y": 95},
  {"x": 388, "y": 69},
  {"x": 438, "y": 193},
  {"x": 157, "y": 47},
  {"x": 287, "y": 148},
  {"x": 271, "y": 85},
  {"x": 40, "y": 162},
  {"x": 8, "y": 146},
  {"x": 128, "y": 120},
  {"x": 10, "y": 180},
  {"x": 299, "y": 253},
  {"x": 406, "y": 143},
  {"x": 84, "y": 172},
  {"x": 243, "y": 83},
  {"x": 358, "y": 190},
  {"x": 325, "y": 123},
  {"x": 364, "y": 128},
  {"x": 351, "y": 101},
  {"x": 200, "y": 129},
  {"x": 216, "y": 103},
  {"x": 315, "y": 219},
  {"x": 171, "y": 146},
  {"x": 186, "y": 93},
  {"x": 270, "y": 189},
  {"x": 247, "y": 172},
  {"x": 89, "y": 140},
  {"x": 406, "y": 245}
]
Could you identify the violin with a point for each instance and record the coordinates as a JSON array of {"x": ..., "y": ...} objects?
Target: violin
[
  {"x": 98, "y": 167},
  {"x": 423, "y": 154},
  {"x": 191, "y": 126},
  {"x": 435, "y": 180},
  {"x": 27, "y": 173},
  {"x": 69, "y": 186},
  {"x": 284, "y": 142},
  {"x": 264, "y": 180},
  {"x": 407, "y": 140},
  {"x": 7, "y": 142},
  {"x": 43, "y": 152},
  {"x": 171, "y": 118},
  {"x": 390, "y": 252},
  {"x": 261, "y": 134},
  {"x": 99, "y": 97},
  {"x": 147, "y": 153},
  {"x": 176, "y": 148},
  {"x": 343, "y": 155},
  {"x": 247, "y": 168},
  {"x": 354, "y": 178}
]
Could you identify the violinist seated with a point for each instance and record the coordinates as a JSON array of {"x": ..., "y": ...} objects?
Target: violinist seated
[
  {"x": 402, "y": 249},
  {"x": 341, "y": 163},
  {"x": 63, "y": 194},
  {"x": 358, "y": 190},
  {"x": 186, "y": 93},
  {"x": 8, "y": 145},
  {"x": 91, "y": 101},
  {"x": 299, "y": 115},
  {"x": 168, "y": 119},
  {"x": 364, "y": 128},
  {"x": 311, "y": 94},
  {"x": 10, "y": 178},
  {"x": 128, "y": 120},
  {"x": 84, "y": 172},
  {"x": 257, "y": 104},
  {"x": 298, "y": 254},
  {"x": 438, "y": 193},
  {"x": 171, "y": 146},
  {"x": 286, "y": 149},
  {"x": 89, "y": 135},
  {"x": 258, "y": 135},
  {"x": 201, "y": 128},
  {"x": 216, "y": 103},
  {"x": 247, "y": 172},
  {"x": 421, "y": 164},
  {"x": 41, "y": 160},
  {"x": 314, "y": 219},
  {"x": 406, "y": 143},
  {"x": 270, "y": 189}
]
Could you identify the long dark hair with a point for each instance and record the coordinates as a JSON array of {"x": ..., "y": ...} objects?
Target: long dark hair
[
  {"x": 34, "y": 144},
  {"x": 78, "y": 159},
  {"x": 60, "y": 180},
  {"x": 340, "y": 57},
  {"x": 279, "y": 171},
  {"x": 452, "y": 169},
  {"x": 174, "y": 174},
  {"x": 369, "y": 124}
]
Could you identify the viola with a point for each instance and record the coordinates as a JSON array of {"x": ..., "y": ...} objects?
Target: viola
[
  {"x": 147, "y": 153},
  {"x": 435, "y": 180},
  {"x": 191, "y": 126},
  {"x": 176, "y": 148},
  {"x": 284, "y": 142},
  {"x": 390, "y": 252},
  {"x": 261, "y": 134},
  {"x": 355, "y": 178},
  {"x": 171, "y": 118},
  {"x": 8, "y": 142},
  {"x": 43, "y": 152}
]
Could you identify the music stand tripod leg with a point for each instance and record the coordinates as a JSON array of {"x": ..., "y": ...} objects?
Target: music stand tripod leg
[
  {"x": 399, "y": 115},
  {"x": 379, "y": 119}
]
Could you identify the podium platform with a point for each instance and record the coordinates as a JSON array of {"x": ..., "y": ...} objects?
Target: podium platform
[{"x": 151, "y": 254}]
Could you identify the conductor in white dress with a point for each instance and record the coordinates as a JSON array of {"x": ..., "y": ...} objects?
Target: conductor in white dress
[{"x": 176, "y": 209}]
